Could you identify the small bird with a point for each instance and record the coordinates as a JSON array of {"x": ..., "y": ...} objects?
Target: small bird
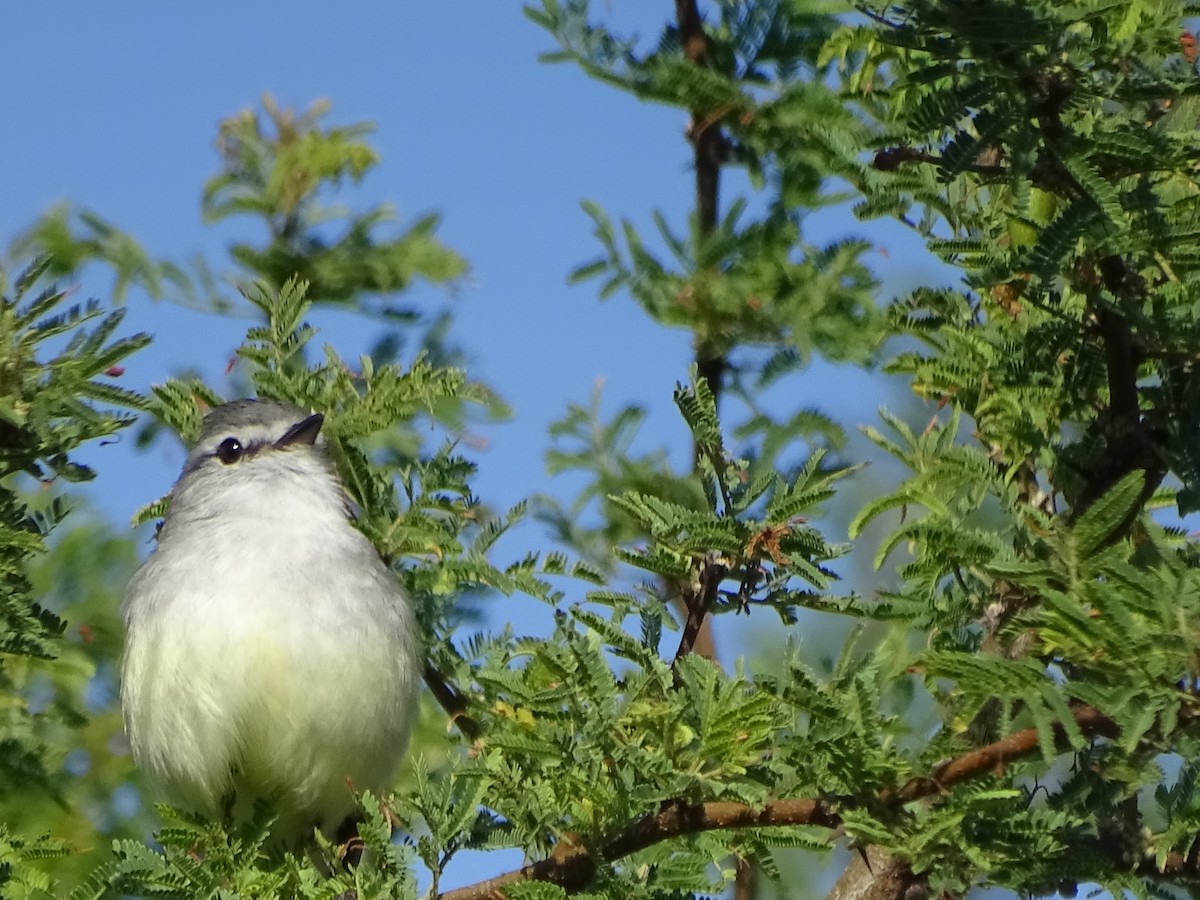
[{"x": 270, "y": 652}]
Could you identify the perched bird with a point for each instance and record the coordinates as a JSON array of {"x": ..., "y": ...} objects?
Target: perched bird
[{"x": 270, "y": 652}]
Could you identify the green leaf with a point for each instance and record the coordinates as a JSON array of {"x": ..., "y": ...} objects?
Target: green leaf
[{"x": 1104, "y": 517}]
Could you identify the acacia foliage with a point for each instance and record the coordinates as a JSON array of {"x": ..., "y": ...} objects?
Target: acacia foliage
[
  {"x": 1028, "y": 718},
  {"x": 1048, "y": 152},
  {"x": 58, "y": 365}
]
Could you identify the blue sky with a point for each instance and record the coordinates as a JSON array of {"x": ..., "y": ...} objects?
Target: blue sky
[
  {"x": 115, "y": 109},
  {"x": 118, "y": 114}
]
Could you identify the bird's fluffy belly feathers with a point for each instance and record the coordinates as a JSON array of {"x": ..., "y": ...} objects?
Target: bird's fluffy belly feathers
[{"x": 291, "y": 699}]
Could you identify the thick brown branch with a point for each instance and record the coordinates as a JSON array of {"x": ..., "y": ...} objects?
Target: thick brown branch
[
  {"x": 708, "y": 153},
  {"x": 707, "y": 139},
  {"x": 691, "y": 32},
  {"x": 995, "y": 756},
  {"x": 572, "y": 865},
  {"x": 711, "y": 369},
  {"x": 875, "y": 874}
]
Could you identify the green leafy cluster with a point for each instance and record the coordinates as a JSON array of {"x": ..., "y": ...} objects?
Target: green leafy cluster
[
  {"x": 279, "y": 177},
  {"x": 575, "y": 752},
  {"x": 753, "y": 529},
  {"x": 57, "y": 362},
  {"x": 759, "y": 298},
  {"x": 205, "y": 859},
  {"x": 277, "y": 167},
  {"x": 764, "y": 69},
  {"x": 742, "y": 285},
  {"x": 1047, "y": 150}
]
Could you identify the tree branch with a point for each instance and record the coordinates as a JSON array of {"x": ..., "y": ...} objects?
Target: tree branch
[
  {"x": 1130, "y": 441},
  {"x": 708, "y": 153},
  {"x": 572, "y": 865},
  {"x": 745, "y": 880},
  {"x": 707, "y": 140},
  {"x": 891, "y": 158},
  {"x": 453, "y": 702},
  {"x": 875, "y": 874},
  {"x": 709, "y": 150},
  {"x": 1121, "y": 364},
  {"x": 697, "y": 604},
  {"x": 998, "y": 754}
]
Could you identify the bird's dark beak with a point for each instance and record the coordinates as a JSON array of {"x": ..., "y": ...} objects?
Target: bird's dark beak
[{"x": 304, "y": 432}]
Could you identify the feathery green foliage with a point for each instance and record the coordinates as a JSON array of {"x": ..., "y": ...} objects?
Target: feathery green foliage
[
  {"x": 1048, "y": 151},
  {"x": 276, "y": 167},
  {"x": 57, "y": 362}
]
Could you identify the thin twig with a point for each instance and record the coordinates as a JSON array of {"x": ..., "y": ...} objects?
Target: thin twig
[
  {"x": 697, "y": 604},
  {"x": 453, "y": 702},
  {"x": 709, "y": 149},
  {"x": 891, "y": 158}
]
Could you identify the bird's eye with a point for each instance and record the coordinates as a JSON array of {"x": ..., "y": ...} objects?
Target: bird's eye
[{"x": 229, "y": 451}]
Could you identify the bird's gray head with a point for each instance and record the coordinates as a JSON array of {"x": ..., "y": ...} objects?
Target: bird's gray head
[
  {"x": 249, "y": 431},
  {"x": 251, "y": 454}
]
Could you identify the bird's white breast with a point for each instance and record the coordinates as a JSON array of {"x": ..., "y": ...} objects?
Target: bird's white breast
[{"x": 284, "y": 664}]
